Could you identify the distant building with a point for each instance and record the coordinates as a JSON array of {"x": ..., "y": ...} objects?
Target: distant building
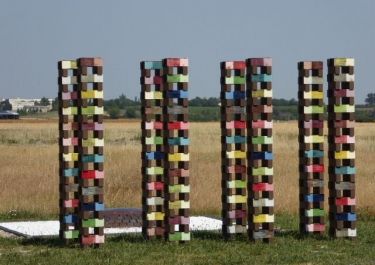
[
  {"x": 9, "y": 115},
  {"x": 28, "y": 105}
]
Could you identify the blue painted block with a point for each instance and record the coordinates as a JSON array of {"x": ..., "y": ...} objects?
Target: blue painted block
[
  {"x": 262, "y": 155},
  {"x": 70, "y": 172},
  {"x": 261, "y": 78},
  {"x": 314, "y": 153},
  {"x": 178, "y": 141},
  {"x": 155, "y": 65},
  {"x": 93, "y": 158},
  {"x": 177, "y": 94},
  {"x": 235, "y": 95},
  {"x": 93, "y": 206},
  {"x": 345, "y": 170},
  {"x": 351, "y": 217},
  {"x": 154, "y": 155},
  {"x": 70, "y": 219},
  {"x": 314, "y": 198},
  {"x": 235, "y": 139}
]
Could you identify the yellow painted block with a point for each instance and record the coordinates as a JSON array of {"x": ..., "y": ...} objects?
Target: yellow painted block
[
  {"x": 314, "y": 139},
  {"x": 263, "y": 218},
  {"x": 236, "y": 199},
  {"x": 344, "y": 155},
  {"x": 343, "y": 62},
  {"x": 92, "y": 94},
  {"x": 264, "y": 93},
  {"x": 179, "y": 205},
  {"x": 70, "y": 157},
  {"x": 69, "y": 64},
  {"x": 156, "y": 216},
  {"x": 313, "y": 95},
  {"x": 178, "y": 157},
  {"x": 154, "y": 95},
  {"x": 236, "y": 154}
]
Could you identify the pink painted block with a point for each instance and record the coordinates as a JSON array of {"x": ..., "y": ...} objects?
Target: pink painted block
[
  {"x": 235, "y": 125},
  {"x": 70, "y": 126},
  {"x": 313, "y": 124},
  {"x": 344, "y": 124},
  {"x": 154, "y": 125},
  {"x": 65, "y": 95},
  {"x": 344, "y": 139},
  {"x": 315, "y": 227},
  {"x": 177, "y": 62},
  {"x": 262, "y": 187},
  {"x": 179, "y": 220},
  {"x": 71, "y": 203},
  {"x": 344, "y": 93},
  {"x": 262, "y": 124},
  {"x": 345, "y": 201},
  {"x": 236, "y": 169},
  {"x": 93, "y": 126},
  {"x": 261, "y": 61},
  {"x": 155, "y": 186},
  {"x": 178, "y": 172},
  {"x": 237, "y": 214},
  {"x": 238, "y": 65},
  {"x": 70, "y": 141}
]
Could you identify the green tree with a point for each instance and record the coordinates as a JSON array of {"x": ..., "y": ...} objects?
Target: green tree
[
  {"x": 44, "y": 101},
  {"x": 370, "y": 100},
  {"x": 114, "y": 112}
]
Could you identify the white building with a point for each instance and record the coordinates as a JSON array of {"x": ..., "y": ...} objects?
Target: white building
[{"x": 26, "y": 104}]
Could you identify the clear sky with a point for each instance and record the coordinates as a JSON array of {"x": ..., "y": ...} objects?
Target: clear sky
[{"x": 36, "y": 34}]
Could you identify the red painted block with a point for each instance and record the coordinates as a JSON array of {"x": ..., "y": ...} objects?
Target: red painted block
[
  {"x": 236, "y": 169},
  {"x": 235, "y": 65},
  {"x": 345, "y": 201},
  {"x": 344, "y": 139},
  {"x": 261, "y": 61},
  {"x": 71, "y": 203},
  {"x": 236, "y": 125},
  {"x": 177, "y": 62},
  {"x": 262, "y": 187},
  {"x": 155, "y": 185},
  {"x": 158, "y": 80},
  {"x": 92, "y": 174},
  {"x": 179, "y": 220},
  {"x": 314, "y": 168},
  {"x": 178, "y": 172},
  {"x": 315, "y": 227},
  {"x": 235, "y": 214},
  {"x": 313, "y": 124},
  {"x": 179, "y": 125},
  {"x": 344, "y": 93}
]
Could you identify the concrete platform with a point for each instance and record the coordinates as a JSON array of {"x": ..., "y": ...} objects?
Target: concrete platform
[{"x": 32, "y": 229}]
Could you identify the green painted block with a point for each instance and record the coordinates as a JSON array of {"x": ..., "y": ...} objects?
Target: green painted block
[
  {"x": 179, "y": 188},
  {"x": 262, "y": 171},
  {"x": 71, "y": 234},
  {"x": 235, "y": 184},
  {"x": 235, "y": 80},
  {"x": 177, "y": 78},
  {"x": 314, "y": 212},
  {"x": 262, "y": 140},
  {"x": 344, "y": 108},
  {"x": 154, "y": 140},
  {"x": 179, "y": 236},
  {"x": 154, "y": 171},
  {"x": 313, "y": 109},
  {"x": 93, "y": 223}
]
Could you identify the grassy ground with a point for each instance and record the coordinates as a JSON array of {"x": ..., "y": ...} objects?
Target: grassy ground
[{"x": 205, "y": 248}]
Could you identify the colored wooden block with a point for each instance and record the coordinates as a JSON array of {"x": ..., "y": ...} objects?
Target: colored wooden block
[
  {"x": 314, "y": 168},
  {"x": 262, "y": 187},
  {"x": 178, "y": 125},
  {"x": 315, "y": 227},
  {"x": 72, "y": 234},
  {"x": 235, "y": 94},
  {"x": 262, "y": 156},
  {"x": 179, "y": 188},
  {"x": 155, "y": 201},
  {"x": 263, "y": 218},
  {"x": 177, "y": 157},
  {"x": 178, "y": 141},
  {"x": 236, "y": 229},
  {"x": 91, "y": 94},
  {"x": 314, "y": 197},
  {"x": 95, "y": 78},
  {"x": 344, "y": 108},
  {"x": 344, "y": 139},
  {"x": 95, "y": 222},
  {"x": 153, "y": 65},
  {"x": 238, "y": 65},
  {"x": 343, "y": 62},
  {"x": 156, "y": 216},
  {"x": 179, "y": 204},
  {"x": 236, "y": 199},
  {"x": 154, "y": 125},
  {"x": 346, "y": 217},
  {"x": 70, "y": 172},
  {"x": 154, "y": 95},
  {"x": 235, "y": 125},
  {"x": 235, "y": 80},
  {"x": 260, "y": 124},
  {"x": 343, "y": 78},
  {"x": 90, "y": 191},
  {"x": 313, "y": 95},
  {"x": 93, "y": 158},
  {"x": 346, "y": 232},
  {"x": 261, "y": 78},
  {"x": 345, "y": 170},
  {"x": 314, "y": 154},
  {"x": 92, "y": 142},
  {"x": 262, "y": 171},
  {"x": 261, "y": 93},
  {"x": 69, "y": 80},
  {"x": 236, "y": 154},
  {"x": 179, "y": 236},
  {"x": 93, "y": 206},
  {"x": 344, "y": 155},
  {"x": 345, "y": 201},
  {"x": 344, "y": 185},
  {"x": 313, "y": 80},
  {"x": 155, "y": 185},
  {"x": 235, "y": 184},
  {"x": 313, "y": 109},
  {"x": 70, "y": 157},
  {"x": 178, "y": 78},
  {"x": 262, "y": 140},
  {"x": 263, "y": 202},
  {"x": 314, "y": 139},
  {"x": 155, "y": 171},
  {"x": 157, "y": 155},
  {"x": 69, "y": 64},
  {"x": 92, "y": 110},
  {"x": 235, "y": 139},
  {"x": 178, "y": 94},
  {"x": 92, "y": 174},
  {"x": 314, "y": 212},
  {"x": 69, "y": 111}
]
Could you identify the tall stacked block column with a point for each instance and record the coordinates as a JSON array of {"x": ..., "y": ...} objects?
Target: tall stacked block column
[
  {"x": 153, "y": 163},
  {"x": 311, "y": 146},
  {"x": 81, "y": 150},
  {"x": 233, "y": 141},
  {"x": 341, "y": 121},
  {"x": 260, "y": 155},
  {"x": 176, "y": 139},
  {"x": 68, "y": 150}
]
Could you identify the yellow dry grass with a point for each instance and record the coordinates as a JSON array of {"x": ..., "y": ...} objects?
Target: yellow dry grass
[{"x": 29, "y": 166}]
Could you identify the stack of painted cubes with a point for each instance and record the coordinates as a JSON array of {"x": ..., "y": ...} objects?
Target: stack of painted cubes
[
  {"x": 153, "y": 192},
  {"x": 81, "y": 154},
  {"x": 341, "y": 147},
  {"x": 311, "y": 146},
  {"x": 260, "y": 155},
  {"x": 165, "y": 141},
  {"x": 68, "y": 150},
  {"x": 176, "y": 139},
  {"x": 233, "y": 140}
]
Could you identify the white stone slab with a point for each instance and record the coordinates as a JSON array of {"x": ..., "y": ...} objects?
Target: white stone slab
[{"x": 51, "y": 228}]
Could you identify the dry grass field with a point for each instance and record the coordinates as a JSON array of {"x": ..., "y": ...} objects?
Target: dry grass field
[{"x": 29, "y": 166}]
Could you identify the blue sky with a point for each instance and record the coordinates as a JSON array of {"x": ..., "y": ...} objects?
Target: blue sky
[{"x": 36, "y": 34}]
